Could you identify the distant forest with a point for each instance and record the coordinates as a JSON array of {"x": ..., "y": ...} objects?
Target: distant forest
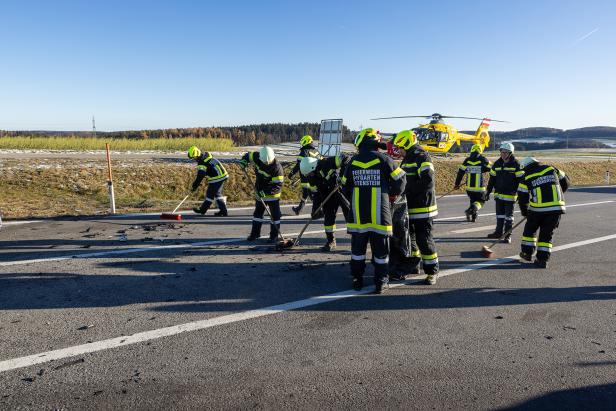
[
  {"x": 279, "y": 133},
  {"x": 241, "y": 135}
]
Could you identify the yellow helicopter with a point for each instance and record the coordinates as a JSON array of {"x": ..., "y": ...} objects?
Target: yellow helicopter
[{"x": 438, "y": 137}]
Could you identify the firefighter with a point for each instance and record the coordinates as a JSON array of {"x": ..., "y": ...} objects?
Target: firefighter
[
  {"x": 307, "y": 150},
  {"x": 268, "y": 187},
  {"x": 216, "y": 174},
  {"x": 322, "y": 178},
  {"x": 504, "y": 178},
  {"x": 542, "y": 202},
  {"x": 421, "y": 200},
  {"x": 474, "y": 166},
  {"x": 370, "y": 180}
]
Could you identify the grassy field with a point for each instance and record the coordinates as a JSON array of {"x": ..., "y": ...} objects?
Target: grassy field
[
  {"x": 89, "y": 143},
  {"x": 43, "y": 188}
]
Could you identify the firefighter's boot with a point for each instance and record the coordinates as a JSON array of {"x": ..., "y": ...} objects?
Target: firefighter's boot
[
  {"x": 469, "y": 214},
  {"x": 298, "y": 208},
  {"x": 274, "y": 230},
  {"x": 255, "y": 233},
  {"x": 222, "y": 207},
  {"x": 331, "y": 243}
]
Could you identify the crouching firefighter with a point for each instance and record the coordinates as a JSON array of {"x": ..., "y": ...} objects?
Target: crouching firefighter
[
  {"x": 473, "y": 166},
  {"x": 322, "y": 179},
  {"x": 307, "y": 150},
  {"x": 268, "y": 187},
  {"x": 369, "y": 180},
  {"x": 504, "y": 178},
  {"x": 421, "y": 201},
  {"x": 542, "y": 202},
  {"x": 216, "y": 174}
]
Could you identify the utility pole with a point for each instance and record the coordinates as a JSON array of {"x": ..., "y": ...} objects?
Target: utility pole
[{"x": 93, "y": 127}]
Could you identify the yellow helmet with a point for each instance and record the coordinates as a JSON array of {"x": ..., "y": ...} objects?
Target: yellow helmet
[
  {"x": 305, "y": 140},
  {"x": 194, "y": 152},
  {"x": 405, "y": 139},
  {"x": 367, "y": 134},
  {"x": 477, "y": 148}
]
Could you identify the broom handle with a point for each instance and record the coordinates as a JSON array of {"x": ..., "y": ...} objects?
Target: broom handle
[
  {"x": 315, "y": 213},
  {"x": 280, "y": 236},
  {"x": 451, "y": 191},
  {"x": 182, "y": 202},
  {"x": 508, "y": 232}
]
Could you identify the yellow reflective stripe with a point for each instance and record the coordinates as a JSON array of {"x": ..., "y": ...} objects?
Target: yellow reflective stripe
[
  {"x": 201, "y": 167},
  {"x": 539, "y": 173},
  {"x": 373, "y": 203},
  {"x": 478, "y": 205},
  {"x": 423, "y": 209},
  {"x": 539, "y": 195},
  {"x": 366, "y": 165},
  {"x": 522, "y": 185},
  {"x": 519, "y": 173},
  {"x": 474, "y": 163},
  {"x": 408, "y": 165},
  {"x": 250, "y": 156},
  {"x": 278, "y": 179},
  {"x": 415, "y": 253},
  {"x": 429, "y": 256},
  {"x": 208, "y": 158},
  {"x": 338, "y": 161},
  {"x": 548, "y": 245},
  {"x": 530, "y": 239},
  {"x": 492, "y": 172},
  {"x": 426, "y": 165},
  {"x": 463, "y": 167},
  {"x": 343, "y": 180},
  {"x": 271, "y": 195},
  {"x": 370, "y": 225},
  {"x": 548, "y": 204},
  {"x": 498, "y": 195},
  {"x": 508, "y": 168},
  {"x": 329, "y": 227},
  {"x": 356, "y": 195},
  {"x": 396, "y": 173},
  {"x": 218, "y": 178}
]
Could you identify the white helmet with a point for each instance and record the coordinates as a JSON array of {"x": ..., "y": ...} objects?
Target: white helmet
[
  {"x": 527, "y": 161},
  {"x": 307, "y": 165},
  {"x": 266, "y": 155},
  {"x": 507, "y": 146}
]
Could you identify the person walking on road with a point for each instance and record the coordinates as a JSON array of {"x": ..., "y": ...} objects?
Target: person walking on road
[
  {"x": 371, "y": 180},
  {"x": 268, "y": 188},
  {"x": 542, "y": 202},
  {"x": 473, "y": 166},
  {"x": 322, "y": 178},
  {"x": 307, "y": 150},
  {"x": 504, "y": 178},
  {"x": 421, "y": 200},
  {"x": 216, "y": 174}
]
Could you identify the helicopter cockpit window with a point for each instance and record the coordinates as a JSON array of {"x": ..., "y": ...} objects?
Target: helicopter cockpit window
[{"x": 424, "y": 134}]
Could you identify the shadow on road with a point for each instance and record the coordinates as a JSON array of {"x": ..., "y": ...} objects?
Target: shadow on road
[{"x": 593, "y": 397}]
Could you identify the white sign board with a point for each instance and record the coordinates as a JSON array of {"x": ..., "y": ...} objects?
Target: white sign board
[{"x": 330, "y": 137}]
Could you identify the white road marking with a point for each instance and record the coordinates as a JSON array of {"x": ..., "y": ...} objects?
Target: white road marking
[
  {"x": 197, "y": 244},
  {"x": 9, "y": 223},
  {"x": 21, "y": 362},
  {"x": 474, "y": 229}
]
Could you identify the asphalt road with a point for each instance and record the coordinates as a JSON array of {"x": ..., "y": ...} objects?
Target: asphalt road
[{"x": 133, "y": 312}]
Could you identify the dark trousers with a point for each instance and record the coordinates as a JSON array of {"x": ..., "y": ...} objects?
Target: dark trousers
[
  {"x": 403, "y": 258},
  {"x": 330, "y": 211},
  {"x": 546, "y": 224},
  {"x": 379, "y": 244},
  {"x": 258, "y": 217},
  {"x": 504, "y": 216},
  {"x": 476, "y": 200},
  {"x": 423, "y": 243},
  {"x": 214, "y": 193}
]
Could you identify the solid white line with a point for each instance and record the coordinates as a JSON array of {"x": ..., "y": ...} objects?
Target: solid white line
[
  {"x": 44, "y": 357},
  {"x": 474, "y": 229},
  {"x": 8, "y": 223},
  {"x": 200, "y": 244}
]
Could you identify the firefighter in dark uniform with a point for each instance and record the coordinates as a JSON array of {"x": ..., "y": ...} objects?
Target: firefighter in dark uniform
[
  {"x": 322, "y": 178},
  {"x": 504, "y": 178},
  {"x": 542, "y": 202},
  {"x": 473, "y": 166},
  {"x": 421, "y": 200},
  {"x": 370, "y": 179},
  {"x": 268, "y": 187},
  {"x": 307, "y": 150},
  {"x": 216, "y": 174}
]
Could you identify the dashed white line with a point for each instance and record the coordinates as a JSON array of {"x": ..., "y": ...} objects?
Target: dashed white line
[{"x": 21, "y": 362}]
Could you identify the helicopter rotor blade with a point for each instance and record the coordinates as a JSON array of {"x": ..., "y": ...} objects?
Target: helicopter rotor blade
[
  {"x": 388, "y": 118},
  {"x": 476, "y": 118}
]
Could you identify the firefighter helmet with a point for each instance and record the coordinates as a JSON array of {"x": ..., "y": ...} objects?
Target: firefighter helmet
[
  {"x": 305, "y": 140},
  {"x": 405, "y": 139},
  {"x": 266, "y": 155},
  {"x": 194, "y": 152},
  {"x": 367, "y": 134},
  {"x": 307, "y": 165},
  {"x": 477, "y": 148},
  {"x": 507, "y": 146},
  {"x": 526, "y": 161}
]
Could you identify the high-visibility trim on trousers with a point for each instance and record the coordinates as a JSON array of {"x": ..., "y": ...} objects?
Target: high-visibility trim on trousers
[{"x": 358, "y": 257}]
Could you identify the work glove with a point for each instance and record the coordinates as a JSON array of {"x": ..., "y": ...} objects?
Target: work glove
[
  {"x": 392, "y": 199},
  {"x": 261, "y": 194},
  {"x": 524, "y": 210}
]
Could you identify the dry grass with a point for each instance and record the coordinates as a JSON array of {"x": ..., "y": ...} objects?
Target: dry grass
[
  {"x": 88, "y": 143},
  {"x": 41, "y": 188}
]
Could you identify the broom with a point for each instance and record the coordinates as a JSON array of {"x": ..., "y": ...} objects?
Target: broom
[
  {"x": 486, "y": 250},
  {"x": 172, "y": 215}
]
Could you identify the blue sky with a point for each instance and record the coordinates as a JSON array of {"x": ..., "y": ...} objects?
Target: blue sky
[{"x": 155, "y": 64}]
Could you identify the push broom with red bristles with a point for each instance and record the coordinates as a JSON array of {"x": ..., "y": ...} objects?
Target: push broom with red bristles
[
  {"x": 487, "y": 251},
  {"x": 173, "y": 215}
]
